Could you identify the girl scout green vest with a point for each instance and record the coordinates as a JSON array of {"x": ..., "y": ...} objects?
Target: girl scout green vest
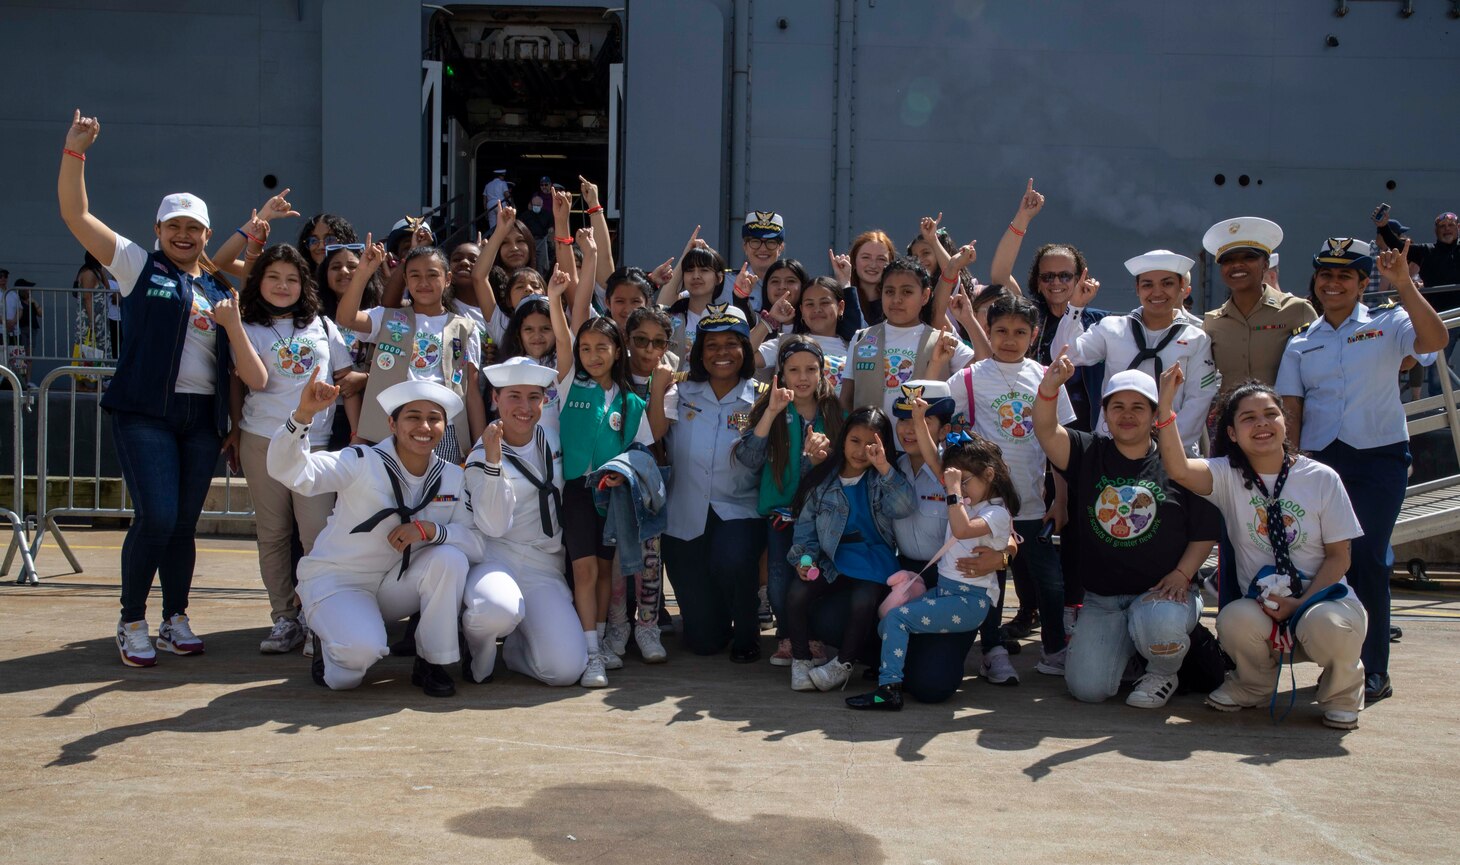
[
  {"x": 592, "y": 433},
  {"x": 394, "y": 353}
]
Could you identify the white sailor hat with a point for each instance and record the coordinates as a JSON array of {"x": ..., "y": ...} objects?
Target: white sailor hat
[
  {"x": 499, "y": 171},
  {"x": 1345, "y": 252},
  {"x": 1159, "y": 259},
  {"x": 1243, "y": 232},
  {"x": 519, "y": 371},
  {"x": 398, "y": 395},
  {"x": 936, "y": 393},
  {"x": 1272, "y": 261},
  {"x": 183, "y": 204},
  {"x": 1132, "y": 379}
]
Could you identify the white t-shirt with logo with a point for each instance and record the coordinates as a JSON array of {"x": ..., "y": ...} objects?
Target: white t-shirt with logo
[
  {"x": 1003, "y": 413},
  {"x": 1316, "y": 511},
  {"x": 291, "y": 355},
  {"x": 833, "y": 347},
  {"x": 421, "y": 352},
  {"x": 197, "y": 371},
  {"x": 900, "y": 353}
]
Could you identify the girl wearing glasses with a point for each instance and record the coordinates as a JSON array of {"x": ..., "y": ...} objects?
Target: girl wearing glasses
[{"x": 322, "y": 231}]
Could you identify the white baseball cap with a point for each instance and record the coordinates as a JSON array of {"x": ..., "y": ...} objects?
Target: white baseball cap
[
  {"x": 183, "y": 204},
  {"x": 1128, "y": 379}
]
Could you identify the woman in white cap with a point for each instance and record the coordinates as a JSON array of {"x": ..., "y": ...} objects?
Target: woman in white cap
[
  {"x": 519, "y": 589},
  {"x": 1154, "y": 337},
  {"x": 1141, "y": 539},
  {"x": 168, "y": 398},
  {"x": 398, "y": 542},
  {"x": 1337, "y": 385}
]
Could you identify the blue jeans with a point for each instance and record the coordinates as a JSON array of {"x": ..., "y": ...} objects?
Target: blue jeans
[
  {"x": 1114, "y": 627},
  {"x": 167, "y": 463},
  {"x": 778, "y": 572},
  {"x": 1375, "y": 479},
  {"x": 950, "y": 608}
]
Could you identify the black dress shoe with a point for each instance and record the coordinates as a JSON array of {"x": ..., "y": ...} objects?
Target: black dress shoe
[
  {"x": 316, "y": 664},
  {"x": 432, "y": 678},
  {"x": 1396, "y": 633},
  {"x": 745, "y": 656},
  {"x": 887, "y": 698},
  {"x": 1377, "y": 687},
  {"x": 405, "y": 647}
]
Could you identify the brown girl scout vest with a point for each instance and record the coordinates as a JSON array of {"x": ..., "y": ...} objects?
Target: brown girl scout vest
[
  {"x": 395, "y": 351},
  {"x": 869, "y": 363}
]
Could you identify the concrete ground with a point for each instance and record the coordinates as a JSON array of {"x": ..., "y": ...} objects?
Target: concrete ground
[{"x": 237, "y": 757}]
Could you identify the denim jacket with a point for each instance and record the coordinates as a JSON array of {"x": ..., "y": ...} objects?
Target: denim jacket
[
  {"x": 823, "y": 518},
  {"x": 634, "y": 510}
]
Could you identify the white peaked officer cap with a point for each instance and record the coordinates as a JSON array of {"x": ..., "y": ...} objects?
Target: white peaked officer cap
[
  {"x": 521, "y": 371},
  {"x": 1159, "y": 259},
  {"x": 1242, "y": 232},
  {"x": 183, "y": 204},
  {"x": 398, "y": 395}
]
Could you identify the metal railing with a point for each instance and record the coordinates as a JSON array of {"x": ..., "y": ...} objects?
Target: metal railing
[
  {"x": 64, "y": 326},
  {"x": 19, "y": 402},
  {"x": 86, "y": 490}
]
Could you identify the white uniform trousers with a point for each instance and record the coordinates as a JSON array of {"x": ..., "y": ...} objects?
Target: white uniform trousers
[
  {"x": 351, "y": 621},
  {"x": 533, "y": 609}
]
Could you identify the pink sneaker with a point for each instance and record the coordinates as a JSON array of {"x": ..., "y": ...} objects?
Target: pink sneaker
[
  {"x": 782, "y": 657},
  {"x": 818, "y": 653}
]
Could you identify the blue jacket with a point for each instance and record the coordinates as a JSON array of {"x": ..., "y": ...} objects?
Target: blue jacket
[
  {"x": 155, "y": 318},
  {"x": 823, "y": 517},
  {"x": 634, "y": 511}
]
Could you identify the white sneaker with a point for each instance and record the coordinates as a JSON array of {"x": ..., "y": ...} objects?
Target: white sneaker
[
  {"x": 285, "y": 637},
  {"x": 801, "y": 675},
  {"x": 134, "y": 644},
  {"x": 996, "y": 668},
  {"x": 650, "y": 646},
  {"x": 594, "y": 675},
  {"x": 308, "y": 638},
  {"x": 1152, "y": 691},
  {"x": 1340, "y": 719},
  {"x": 616, "y": 638},
  {"x": 176, "y": 636},
  {"x": 831, "y": 675},
  {"x": 1052, "y": 665},
  {"x": 1222, "y": 701},
  {"x": 611, "y": 659}
]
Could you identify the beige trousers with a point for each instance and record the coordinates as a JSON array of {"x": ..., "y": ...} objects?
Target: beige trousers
[
  {"x": 1331, "y": 634},
  {"x": 276, "y": 509}
]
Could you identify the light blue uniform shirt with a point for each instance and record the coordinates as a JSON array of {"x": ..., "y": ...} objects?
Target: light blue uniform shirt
[
  {"x": 705, "y": 473},
  {"x": 1348, "y": 378},
  {"x": 920, "y": 534}
]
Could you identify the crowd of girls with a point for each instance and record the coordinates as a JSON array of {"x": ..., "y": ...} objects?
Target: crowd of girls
[{"x": 881, "y": 446}]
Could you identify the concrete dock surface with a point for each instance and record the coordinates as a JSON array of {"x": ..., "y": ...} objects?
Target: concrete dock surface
[{"x": 238, "y": 757}]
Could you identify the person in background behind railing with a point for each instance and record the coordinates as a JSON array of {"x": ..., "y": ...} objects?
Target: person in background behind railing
[
  {"x": 99, "y": 315},
  {"x": 168, "y": 398},
  {"x": 1337, "y": 381},
  {"x": 1439, "y": 262}
]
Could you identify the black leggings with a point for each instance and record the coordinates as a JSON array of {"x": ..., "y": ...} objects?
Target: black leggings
[{"x": 861, "y": 620}]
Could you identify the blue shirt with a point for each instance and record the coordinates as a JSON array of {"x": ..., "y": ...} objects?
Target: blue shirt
[
  {"x": 706, "y": 474},
  {"x": 1348, "y": 378},
  {"x": 862, "y": 553}
]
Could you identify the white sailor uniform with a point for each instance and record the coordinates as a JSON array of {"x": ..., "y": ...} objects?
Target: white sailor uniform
[
  {"x": 519, "y": 590},
  {"x": 1115, "y": 339},
  {"x": 353, "y": 581}
]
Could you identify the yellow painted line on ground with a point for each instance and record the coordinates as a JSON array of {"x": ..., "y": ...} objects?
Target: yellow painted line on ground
[{"x": 200, "y": 549}]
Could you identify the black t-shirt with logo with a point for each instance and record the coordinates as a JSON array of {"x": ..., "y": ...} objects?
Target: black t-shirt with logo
[{"x": 1131, "y": 522}]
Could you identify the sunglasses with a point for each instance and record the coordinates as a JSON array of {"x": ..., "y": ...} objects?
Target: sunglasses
[
  {"x": 311, "y": 242},
  {"x": 1051, "y": 276},
  {"x": 644, "y": 342},
  {"x": 353, "y": 247}
]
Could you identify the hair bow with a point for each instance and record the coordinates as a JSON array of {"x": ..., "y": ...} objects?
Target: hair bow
[{"x": 958, "y": 438}]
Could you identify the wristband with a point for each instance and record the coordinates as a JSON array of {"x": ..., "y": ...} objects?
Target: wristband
[
  {"x": 1167, "y": 422},
  {"x": 953, "y": 281},
  {"x": 1017, "y": 232},
  {"x": 1040, "y": 391},
  {"x": 249, "y": 236},
  {"x": 1178, "y": 570},
  {"x": 68, "y": 152},
  {"x": 420, "y": 528},
  {"x": 597, "y": 208},
  {"x": 565, "y": 240}
]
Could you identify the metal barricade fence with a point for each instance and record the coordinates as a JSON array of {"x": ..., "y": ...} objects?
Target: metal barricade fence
[
  {"x": 63, "y": 326},
  {"x": 15, "y": 515},
  {"x": 86, "y": 491}
]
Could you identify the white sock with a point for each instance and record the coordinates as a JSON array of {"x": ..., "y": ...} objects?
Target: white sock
[
  {"x": 592, "y": 638},
  {"x": 600, "y": 628}
]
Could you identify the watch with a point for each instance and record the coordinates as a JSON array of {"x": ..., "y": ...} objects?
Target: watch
[{"x": 953, "y": 499}]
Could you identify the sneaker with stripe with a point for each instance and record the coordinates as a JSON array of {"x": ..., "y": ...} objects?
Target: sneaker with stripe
[
  {"x": 1152, "y": 691},
  {"x": 134, "y": 644},
  {"x": 176, "y": 636}
]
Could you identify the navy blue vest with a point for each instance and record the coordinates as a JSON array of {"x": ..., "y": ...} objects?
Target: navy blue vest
[{"x": 154, "y": 323}]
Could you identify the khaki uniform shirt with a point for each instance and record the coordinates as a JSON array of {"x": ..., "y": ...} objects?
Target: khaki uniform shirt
[{"x": 1252, "y": 347}]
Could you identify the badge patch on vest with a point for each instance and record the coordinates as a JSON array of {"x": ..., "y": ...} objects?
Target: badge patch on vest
[
  {"x": 397, "y": 327},
  {"x": 163, "y": 280},
  {"x": 616, "y": 422},
  {"x": 385, "y": 360},
  {"x": 867, "y": 349}
]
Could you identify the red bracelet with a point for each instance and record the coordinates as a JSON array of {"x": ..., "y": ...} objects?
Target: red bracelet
[
  {"x": 597, "y": 208},
  {"x": 68, "y": 152},
  {"x": 251, "y": 237},
  {"x": 1016, "y": 231},
  {"x": 1040, "y": 391},
  {"x": 1167, "y": 422},
  {"x": 953, "y": 281},
  {"x": 420, "y": 528},
  {"x": 567, "y": 240}
]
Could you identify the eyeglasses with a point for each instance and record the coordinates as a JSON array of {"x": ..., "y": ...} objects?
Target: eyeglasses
[
  {"x": 757, "y": 244},
  {"x": 644, "y": 342},
  {"x": 311, "y": 241},
  {"x": 1051, "y": 276},
  {"x": 353, "y": 247}
]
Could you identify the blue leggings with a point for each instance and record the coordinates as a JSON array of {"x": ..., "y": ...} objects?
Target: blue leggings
[{"x": 951, "y": 607}]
